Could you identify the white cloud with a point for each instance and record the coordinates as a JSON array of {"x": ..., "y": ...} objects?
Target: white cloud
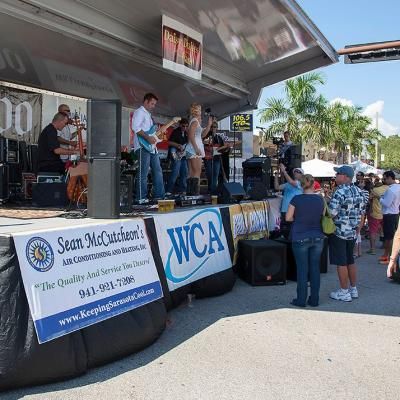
[
  {"x": 376, "y": 110},
  {"x": 371, "y": 111}
]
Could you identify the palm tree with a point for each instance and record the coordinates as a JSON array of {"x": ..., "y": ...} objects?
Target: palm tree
[
  {"x": 302, "y": 111},
  {"x": 349, "y": 130}
]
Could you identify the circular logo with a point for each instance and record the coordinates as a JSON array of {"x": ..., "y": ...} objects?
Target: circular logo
[{"x": 39, "y": 254}]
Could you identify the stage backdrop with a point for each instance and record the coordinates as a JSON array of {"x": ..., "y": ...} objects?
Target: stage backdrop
[
  {"x": 192, "y": 245},
  {"x": 76, "y": 277},
  {"x": 20, "y": 114},
  {"x": 248, "y": 221}
]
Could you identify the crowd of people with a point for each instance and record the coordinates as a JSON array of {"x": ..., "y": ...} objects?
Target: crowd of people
[{"x": 360, "y": 205}]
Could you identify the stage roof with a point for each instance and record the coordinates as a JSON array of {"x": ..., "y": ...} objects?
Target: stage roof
[{"x": 112, "y": 49}]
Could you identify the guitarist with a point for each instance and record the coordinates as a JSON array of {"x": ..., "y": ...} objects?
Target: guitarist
[
  {"x": 141, "y": 123},
  {"x": 176, "y": 153},
  {"x": 212, "y": 161}
]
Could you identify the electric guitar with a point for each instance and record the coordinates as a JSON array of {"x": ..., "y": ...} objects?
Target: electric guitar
[
  {"x": 178, "y": 154},
  {"x": 214, "y": 150},
  {"x": 157, "y": 134}
]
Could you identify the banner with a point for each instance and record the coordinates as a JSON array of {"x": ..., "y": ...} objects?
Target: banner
[
  {"x": 182, "y": 48},
  {"x": 248, "y": 221},
  {"x": 241, "y": 122},
  {"x": 20, "y": 114},
  {"x": 192, "y": 245},
  {"x": 76, "y": 277}
]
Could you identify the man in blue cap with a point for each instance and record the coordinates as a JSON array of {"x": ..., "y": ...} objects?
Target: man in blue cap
[{"x": 347, "y": 208}]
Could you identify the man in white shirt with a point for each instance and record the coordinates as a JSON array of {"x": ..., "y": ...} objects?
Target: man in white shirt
[
  {"x": 141, "y": 123},
  {"x": 390, "y": 202},
  {"x": 68, "y": 133}
]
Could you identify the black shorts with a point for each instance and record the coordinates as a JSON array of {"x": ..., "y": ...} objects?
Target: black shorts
[
  {"x": 341, "y": 250},
  {"x": 390, "y": 222}
]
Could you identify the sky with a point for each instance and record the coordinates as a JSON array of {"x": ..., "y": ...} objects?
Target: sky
[{"x": 373, "y": 86}]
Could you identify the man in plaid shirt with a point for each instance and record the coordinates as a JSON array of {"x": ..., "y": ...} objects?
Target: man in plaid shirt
[{"x": 347, "y": 208}]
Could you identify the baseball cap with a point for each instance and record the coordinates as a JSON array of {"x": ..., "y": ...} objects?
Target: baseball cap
[
  {"x": 298, "y": 170},
  {"x": 345, "y": 170}
]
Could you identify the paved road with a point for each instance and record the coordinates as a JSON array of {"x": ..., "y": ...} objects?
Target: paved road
[{"x": 251, "y": 344}]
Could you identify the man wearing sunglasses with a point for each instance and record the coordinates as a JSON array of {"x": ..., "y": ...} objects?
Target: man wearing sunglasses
[
  {"x": 68, "y": 133},
  {"x": 347, "y": 207}
]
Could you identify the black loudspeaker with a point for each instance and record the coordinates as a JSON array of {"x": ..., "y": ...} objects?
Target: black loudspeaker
[
  {"x": 126, "y": 193},
  {"x": 291, "y": 261},
  {"x": 4, "y": 187},
  {"x": 33, "y": 158},
  {"x": 294, "y": 156},
  {"x": 231, "y": 192},
  {"x": 104, "y": 128},
  {"x": 52, "y": 194},
  {"x": 257, "y": 177},
  {"x": 104, "y": 188},
  {"x": 262, "y": 262}
]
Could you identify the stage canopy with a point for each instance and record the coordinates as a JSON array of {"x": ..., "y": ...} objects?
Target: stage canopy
[
  {"x": 112, "y": 49},
  {"x": 319, "y": 168}
]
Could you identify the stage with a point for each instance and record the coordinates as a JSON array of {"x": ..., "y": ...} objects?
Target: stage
[{"x": 69, "y": 285}]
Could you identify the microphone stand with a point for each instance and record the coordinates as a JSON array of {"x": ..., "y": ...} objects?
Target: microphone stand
[{"x": 234, "y": 153}]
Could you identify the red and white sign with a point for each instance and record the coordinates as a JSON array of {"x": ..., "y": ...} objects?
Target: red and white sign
[{"x": 182, "y": 48}]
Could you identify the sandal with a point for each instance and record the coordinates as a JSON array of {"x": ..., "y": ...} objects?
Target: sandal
[{"x": 371, "y": 251}]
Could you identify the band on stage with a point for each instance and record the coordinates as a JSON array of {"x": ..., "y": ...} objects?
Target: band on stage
[{"x": 194, "y": 143}]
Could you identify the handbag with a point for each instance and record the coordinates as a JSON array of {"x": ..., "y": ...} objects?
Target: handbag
[{"x": 327, "y": 224}]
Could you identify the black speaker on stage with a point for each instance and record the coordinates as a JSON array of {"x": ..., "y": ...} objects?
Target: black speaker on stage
[
  {"x": 231, "y": 192},
  {"x": 291, "y": 261},
  {"x": 103, "y": 188},
  {"x": 257, "y": 177},
  {"x": 4, "y": 186},
  {"x": 294, "y": 156},
  {"x": 53, "y": 194},
  {"x": 262, "y": 262},
  {"x": 104, "y": 128}
]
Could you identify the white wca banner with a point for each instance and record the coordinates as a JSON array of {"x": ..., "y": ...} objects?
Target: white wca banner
[{"x": 192, "y": 245}]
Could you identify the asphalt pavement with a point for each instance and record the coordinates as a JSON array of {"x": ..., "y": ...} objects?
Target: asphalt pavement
[{"x": 251, "y": 344}]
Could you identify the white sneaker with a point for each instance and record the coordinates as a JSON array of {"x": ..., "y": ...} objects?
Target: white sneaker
[
  {"x": 341, "y": 294},
  {"x": 144, "y": 201},
  {"x": 353, "y": 292}
]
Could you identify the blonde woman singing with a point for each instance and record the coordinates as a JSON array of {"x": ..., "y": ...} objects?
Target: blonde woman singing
[{"x": 195, "y": 148}]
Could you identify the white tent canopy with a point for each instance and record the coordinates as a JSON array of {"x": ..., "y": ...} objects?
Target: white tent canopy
[
  {"x": 319, "y": 168},
  {"x": 363, "y": 167}
]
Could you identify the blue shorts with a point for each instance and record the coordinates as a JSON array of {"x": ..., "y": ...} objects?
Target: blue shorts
[{"x": 341, "y": 250}]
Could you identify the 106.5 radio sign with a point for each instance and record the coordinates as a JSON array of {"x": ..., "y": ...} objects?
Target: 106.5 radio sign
[{"x": 241, "y": 122}]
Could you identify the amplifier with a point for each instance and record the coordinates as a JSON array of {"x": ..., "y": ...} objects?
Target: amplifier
[
  {"x": 49, "y": 194},
  {"x": 9, "y": 150}
]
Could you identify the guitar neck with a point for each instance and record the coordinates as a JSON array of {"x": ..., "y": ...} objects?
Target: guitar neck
[{"x": 166, "y": 126}]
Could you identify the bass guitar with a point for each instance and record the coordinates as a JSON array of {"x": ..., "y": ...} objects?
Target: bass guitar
[{"x": 157, "y": 133}]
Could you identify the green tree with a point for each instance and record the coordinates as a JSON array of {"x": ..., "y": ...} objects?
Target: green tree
[{"x": 390, "y": 147}]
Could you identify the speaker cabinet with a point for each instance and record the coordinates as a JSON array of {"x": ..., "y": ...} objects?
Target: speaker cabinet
[
  {"x": 4, "y": 184},
  {"x": 262, "y": 262},
  {"x": 104, "y": 128},
  {"x": 103, "y": 188},
  {"x": 52, "y": 194},
  {"x": 291, "y": 261},
  {"x": 231, "y": 192}
]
